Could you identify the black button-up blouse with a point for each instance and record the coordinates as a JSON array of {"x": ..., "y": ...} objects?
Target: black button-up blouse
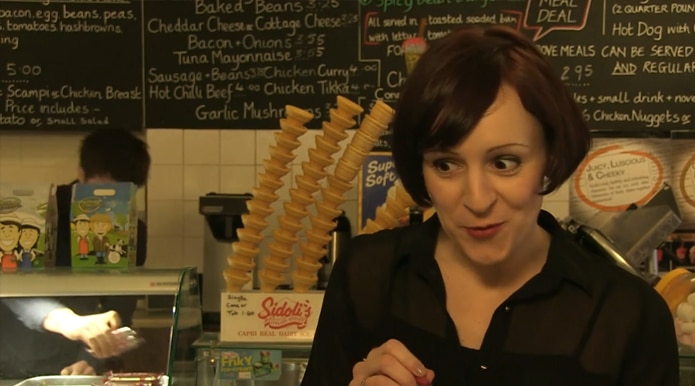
[{"x": 580, "y": 321}]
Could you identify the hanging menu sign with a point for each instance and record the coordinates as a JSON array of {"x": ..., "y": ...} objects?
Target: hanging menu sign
[
  {"x": 630, "y": 64},
  {"x": 237, "y": 63},
  {"x": 70, "y": 65}
]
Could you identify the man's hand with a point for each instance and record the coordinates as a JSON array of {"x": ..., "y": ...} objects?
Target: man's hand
[
  {"x": 94, "y": 330},
  {"x": 78, "y": 368}
]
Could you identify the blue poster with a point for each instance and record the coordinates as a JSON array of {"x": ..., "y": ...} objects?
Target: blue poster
[
  {"x": 265, "y": 365},
  {"x": 377, "y": 175}
]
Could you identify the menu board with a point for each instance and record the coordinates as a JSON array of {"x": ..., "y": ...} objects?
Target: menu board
[
  {"x": 70, "y": 65},
  {"x": 236, "y": 63}
]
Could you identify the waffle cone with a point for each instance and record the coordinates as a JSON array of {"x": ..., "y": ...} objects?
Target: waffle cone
[
  {"x": 281, "y": 153},
  {"x": 307, "y": 184},
  {"x": 270, "y": 280},
  {"x": 340, "y": 120},
  {"x": 334, "y": 132},
  {"x": 311, "y": 251},
  {"x": 338, "y": 184},
  {"x": 348, "y": 108},
  {"x": 235, "y": 281},
  {"x": 320, "y": 159},
  {"x": 303, "y": 283},
  {"x": 332, "y": 196},
  {"x": 326, "y": 146},
  {"x": 317, "y": 237},
  {"x": 313, "y": 170},
  {"x": 301, "y": 197},
  {"x": 345, "y": 170},
  {"x": 299, "y": 115},
  {"x": 259, "y": 208}
]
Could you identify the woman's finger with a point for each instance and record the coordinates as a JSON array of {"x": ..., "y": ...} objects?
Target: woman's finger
[{"x": 398, "y": 350}]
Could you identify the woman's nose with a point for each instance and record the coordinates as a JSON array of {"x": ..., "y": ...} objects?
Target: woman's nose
[{"x": 479, "y": 195}]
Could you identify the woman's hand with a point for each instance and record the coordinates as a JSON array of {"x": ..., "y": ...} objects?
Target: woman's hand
[{"x": 391, "y": 364}]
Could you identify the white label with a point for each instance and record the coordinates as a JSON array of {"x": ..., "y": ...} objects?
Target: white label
[{"x": 269, "y": 317}]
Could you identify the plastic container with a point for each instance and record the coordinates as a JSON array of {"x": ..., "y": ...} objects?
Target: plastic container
[{"x": 677, "y": 287}]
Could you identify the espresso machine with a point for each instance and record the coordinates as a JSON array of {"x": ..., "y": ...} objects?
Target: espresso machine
[{"x": 222, "y": 218}]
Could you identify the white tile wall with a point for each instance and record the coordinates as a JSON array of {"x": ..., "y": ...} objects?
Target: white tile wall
[{"x": 185, "y": 165}]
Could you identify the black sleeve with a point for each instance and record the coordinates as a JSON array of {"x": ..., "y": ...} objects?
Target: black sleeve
[
  {"x": 32, "y": 311},
  {"x": 63, "y": 201},
  {"x": 334, "y": 350},
  {"x": 653, "y": 358},
  {"x": 141, "y": 256}
]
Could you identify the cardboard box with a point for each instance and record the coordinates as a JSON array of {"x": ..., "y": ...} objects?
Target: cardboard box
[
  {"x": 103, "y": 225},
  {"x": 28, "y": 217}
]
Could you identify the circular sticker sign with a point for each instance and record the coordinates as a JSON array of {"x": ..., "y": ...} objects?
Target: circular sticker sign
[
  {"x": 612, "y": 178},
  {"x": 687, "y": 181}
]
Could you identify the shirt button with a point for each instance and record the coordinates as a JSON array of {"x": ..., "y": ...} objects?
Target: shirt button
[{"x": 507, "y": 308}]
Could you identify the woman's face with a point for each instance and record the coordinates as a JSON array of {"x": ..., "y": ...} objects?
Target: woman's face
[{"x": 485, "y": 189}]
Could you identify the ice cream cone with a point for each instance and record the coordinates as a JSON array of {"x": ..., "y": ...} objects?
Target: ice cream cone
[
  {"x": 326, "y": 146},
  {"x": 354, "y": 155},
  {"x": 348, "y": 108},
  {"x": 307, "y": 184},
  {"x": 301, "y": 197},
  {"x": 334, "y": 132},
  {"x": 235, "y": 281},
  {"x": 270, "y": 280},
  {"x": 299, "y": 115},
  {"x": 338, "y": 184},
  {"x": 327, "y": 210},
  {"x": 313, "y": 170},
  {"x": 303, "y": 284},
  {"x": 320, "y": 159},
  {"x": 281, "y": 153},
  {"x": 259, "y": 208},
  {"x": 333, "y": 196},
  {"x": 275, "y": 167},
  {"x": 413, "y": 48},
  {"x": 346, "y": 171},
  {"x": 318, "y": 237},
  {"x": 339, "y": 119},
  {"x": 312, "y": 251},
  {"x": 270, "y": 182},
  {"x": 264, "y": 195}
]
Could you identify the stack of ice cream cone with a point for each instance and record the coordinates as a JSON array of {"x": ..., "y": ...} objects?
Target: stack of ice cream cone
[
  {"x": 276, "y": 263},
  {"x": 374, "y": 124},
  {"x": 389, "y": 214},
  {"x": 241, "y": 262}
]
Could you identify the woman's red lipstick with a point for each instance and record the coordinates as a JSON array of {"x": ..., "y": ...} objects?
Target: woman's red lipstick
[{"x": 484, "y": 232}]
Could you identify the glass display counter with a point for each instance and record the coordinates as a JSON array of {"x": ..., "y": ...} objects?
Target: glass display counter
[
  {"x": 208, "y": 348},
  {"x": 161, "y": 305}
]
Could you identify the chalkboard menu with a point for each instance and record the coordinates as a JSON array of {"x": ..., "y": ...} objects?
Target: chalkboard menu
[
  {"x": 70, "y": 65},
  {"x": 76, "y": 65}
]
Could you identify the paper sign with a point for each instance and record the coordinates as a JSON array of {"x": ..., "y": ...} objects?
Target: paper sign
[
  {"x": 269, "y": 317},
  {"x": 265, "y": 365},
  {"x": 377, "y": 175}
]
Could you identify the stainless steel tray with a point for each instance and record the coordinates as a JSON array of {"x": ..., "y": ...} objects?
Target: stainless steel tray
[
  {"x": 71, "y": 380},
  {"x": 63, "y": 380}
]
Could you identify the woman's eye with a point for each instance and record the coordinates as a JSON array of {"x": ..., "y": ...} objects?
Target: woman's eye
[
  {"x": 443, "y": 166},
  {"x": 506, "y": 164}
]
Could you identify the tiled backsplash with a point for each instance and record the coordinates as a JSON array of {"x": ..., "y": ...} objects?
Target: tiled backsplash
[{"x": 185, "y": 165}]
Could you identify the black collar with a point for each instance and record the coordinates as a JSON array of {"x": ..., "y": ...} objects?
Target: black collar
[{"x": 566, "y": 259}]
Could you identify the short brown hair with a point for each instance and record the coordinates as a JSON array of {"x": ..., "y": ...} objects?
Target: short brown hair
[{"x": 455, "y": 82}]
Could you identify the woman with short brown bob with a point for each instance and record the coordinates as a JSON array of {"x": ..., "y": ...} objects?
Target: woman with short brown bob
[{"x": 490, "y": 290}]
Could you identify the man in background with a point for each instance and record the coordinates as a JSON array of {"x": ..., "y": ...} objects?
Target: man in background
[{"x": 30, "y": 334}]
